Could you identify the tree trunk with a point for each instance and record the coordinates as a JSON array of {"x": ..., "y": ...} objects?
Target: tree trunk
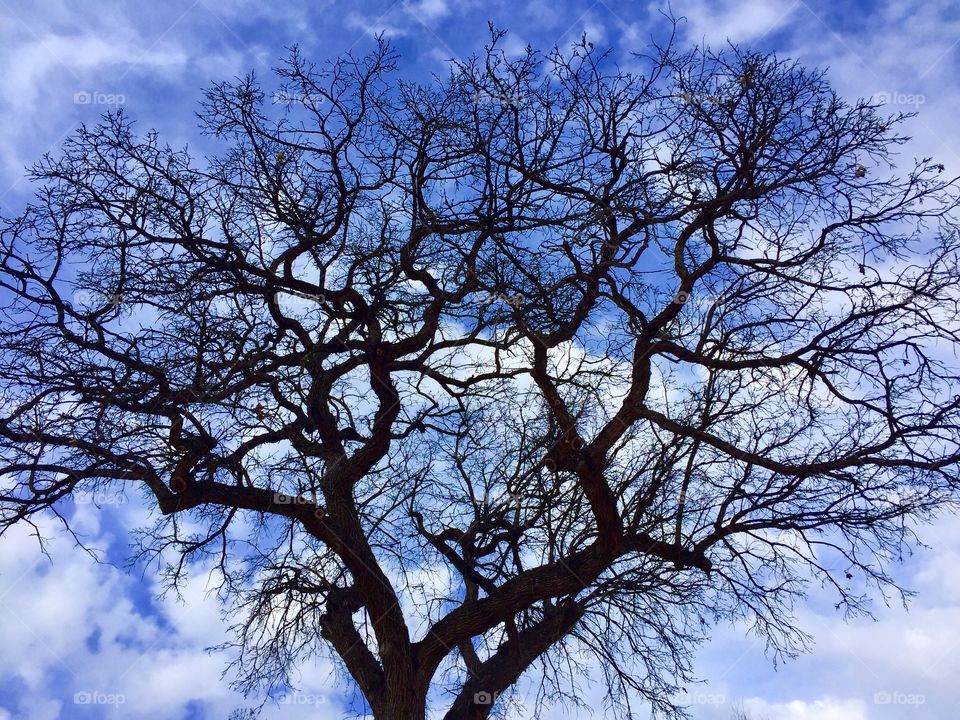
[{"x": 402, "y": 701}]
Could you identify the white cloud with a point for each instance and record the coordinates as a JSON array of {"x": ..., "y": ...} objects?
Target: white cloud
[
  {"x": 428, "y": 10},
  {"x": 825, "y": 709},
  {"x": 902, "y": 51},
  {"x": 740, "y": 22},
  {"x": 72, "y": 632},
  {"x": 375, "y": 25},
  {"x": 46, "y": 67},
  {"x": 886, "y": 669}
]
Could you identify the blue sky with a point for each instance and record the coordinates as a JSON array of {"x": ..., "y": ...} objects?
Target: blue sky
[{"x": 78, "y": 631}]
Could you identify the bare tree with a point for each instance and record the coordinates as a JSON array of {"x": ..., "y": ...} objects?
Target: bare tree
[
  {"x": 740, "y": 713},
  {"x": 546, "y": 365}
]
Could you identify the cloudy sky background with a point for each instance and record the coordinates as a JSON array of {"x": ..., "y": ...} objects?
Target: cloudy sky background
[{"x": 74, "y": 628}]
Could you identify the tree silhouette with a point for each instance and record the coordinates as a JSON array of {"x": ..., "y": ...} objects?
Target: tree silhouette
[{"x": 546, "y": 365}]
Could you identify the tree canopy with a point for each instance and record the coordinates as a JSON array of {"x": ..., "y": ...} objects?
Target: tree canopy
[{"x": 544, "y": 366}]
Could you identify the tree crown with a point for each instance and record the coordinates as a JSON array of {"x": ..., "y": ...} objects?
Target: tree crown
[{"x": 546, "y": 358}]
